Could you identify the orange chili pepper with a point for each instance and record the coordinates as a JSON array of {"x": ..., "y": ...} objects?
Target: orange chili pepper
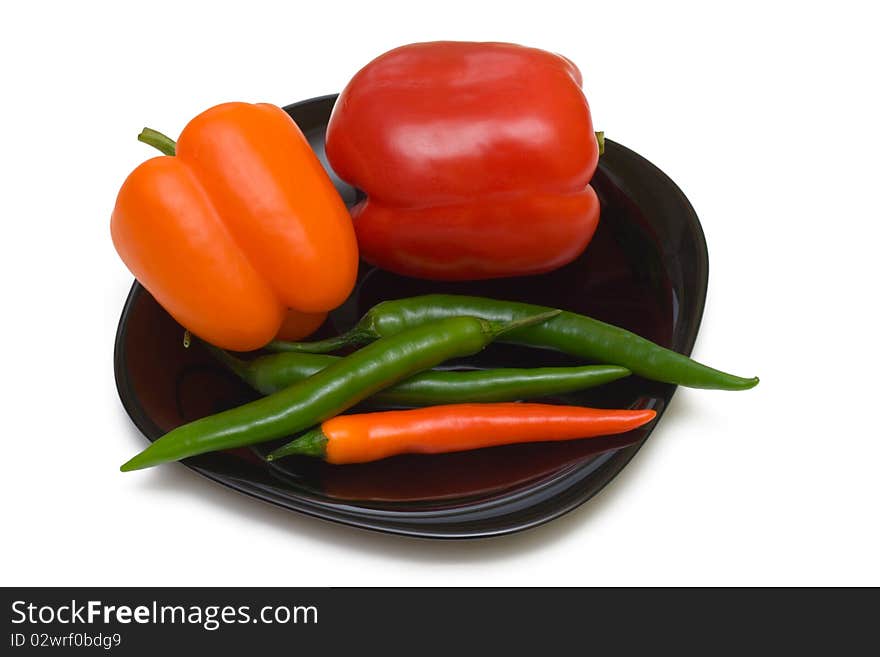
[
  {"x": 240, "y": 225},
  {"x": 455, "y": 428}
]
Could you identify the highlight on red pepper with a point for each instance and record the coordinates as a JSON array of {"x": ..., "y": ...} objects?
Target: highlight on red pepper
[
  {"x": 361, "y": 438},
  {"x": 475, "y": 159},
  {"x": 239, "y": 226}
]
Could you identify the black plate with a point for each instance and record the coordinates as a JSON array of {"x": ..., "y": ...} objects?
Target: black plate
[{"x": 646, "y": 269}]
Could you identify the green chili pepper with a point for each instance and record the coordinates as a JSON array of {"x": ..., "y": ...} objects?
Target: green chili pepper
[
  {"x": 570, "y": 333},
  {"x": 332, "y": 390},
  {"x": 268, "y": 374}
]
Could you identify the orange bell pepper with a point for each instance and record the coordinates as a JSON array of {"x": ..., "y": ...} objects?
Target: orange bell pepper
[
  {"x": 298, "y": 325},
  {"x": 240, "y": 225}
]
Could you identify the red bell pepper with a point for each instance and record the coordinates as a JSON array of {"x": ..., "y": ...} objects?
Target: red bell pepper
[{"x": 475, "y": 159}]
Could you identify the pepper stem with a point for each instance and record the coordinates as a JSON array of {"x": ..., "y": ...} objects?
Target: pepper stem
[
  {"x": 311, "y": 443},
  {"x": 600, "y": 137},
  {"x": 237, "y": 366},
  {"x": 355, "y": 336},
  {"x": 499, "y": 328},
  {"x": 157, "y": 140}
]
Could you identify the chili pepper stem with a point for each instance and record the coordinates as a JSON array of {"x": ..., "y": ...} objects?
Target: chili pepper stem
[
  {"x": 311, "y": 443},
  {"x": 357, "y": 335},
  {"x": 157, "y": 140},
  {"x": 236, "y": 365},
  {"x": 500, "y": 328}
]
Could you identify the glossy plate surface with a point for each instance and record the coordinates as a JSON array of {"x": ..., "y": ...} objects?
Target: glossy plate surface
[{"x": 646, "y": 270}]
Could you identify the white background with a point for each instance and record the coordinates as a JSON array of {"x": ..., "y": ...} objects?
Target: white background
[{"x": 767, "y": 116}]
